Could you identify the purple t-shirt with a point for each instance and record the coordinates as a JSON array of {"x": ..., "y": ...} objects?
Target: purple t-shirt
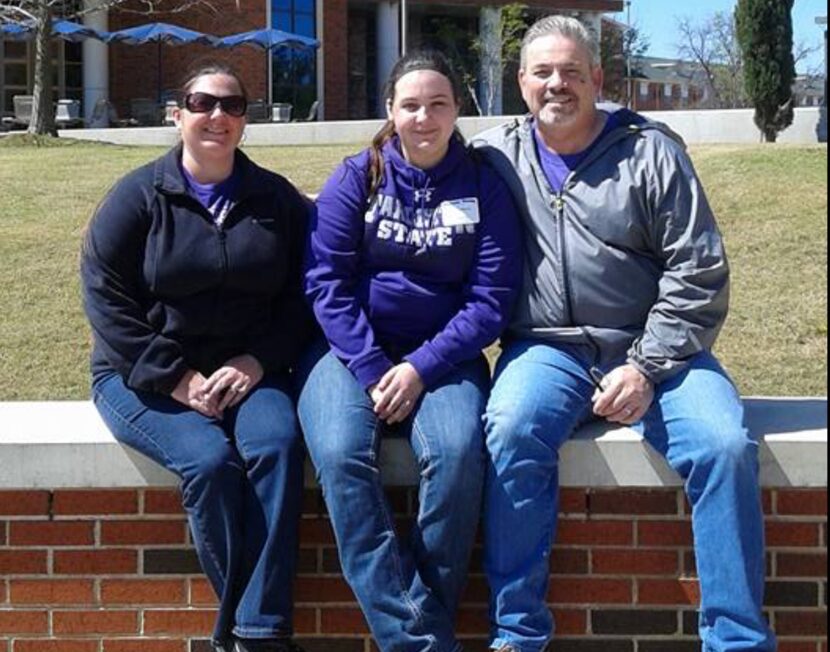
[
  {"x": 557, "y": 167},
  {"x": 217, "y": 198}
]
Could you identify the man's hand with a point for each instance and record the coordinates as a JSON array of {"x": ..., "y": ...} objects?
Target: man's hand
[
  {"x": 397, "y": 393},
  {"x": 189, "y": 392},
  {"x": 230, "y": 384},
  {"x": 626, "y": 396}
]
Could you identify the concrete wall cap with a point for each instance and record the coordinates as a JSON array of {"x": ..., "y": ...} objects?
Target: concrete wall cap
[{"x": 65, "y": 444}]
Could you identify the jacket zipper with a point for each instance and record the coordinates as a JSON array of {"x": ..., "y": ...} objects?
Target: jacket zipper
[
  {"x": 220, "y": 233},
  {"x": 559, "y": 207}
]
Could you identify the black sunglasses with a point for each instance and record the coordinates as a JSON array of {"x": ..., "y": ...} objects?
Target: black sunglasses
[{"x": 233, "y": 105}]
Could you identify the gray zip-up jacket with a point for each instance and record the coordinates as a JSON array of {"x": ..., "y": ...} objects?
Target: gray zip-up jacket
[{"x": 627, "y": 258}]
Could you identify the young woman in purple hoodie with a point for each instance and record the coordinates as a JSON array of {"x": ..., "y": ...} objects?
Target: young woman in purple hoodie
[{"x": 413, "y": 268}]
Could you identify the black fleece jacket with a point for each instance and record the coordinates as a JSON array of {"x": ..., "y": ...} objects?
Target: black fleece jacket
[{"x": 165, "y": 290}]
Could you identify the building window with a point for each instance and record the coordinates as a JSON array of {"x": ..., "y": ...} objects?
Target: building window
[
  {"x": 667, "y": 90},
  {"x": 684, "y": 91},
  {"x": 14, "y": 72},
  {"x": 71, "y": 82},
  {"x": 644, "y": 89},
  {"x": 295, "y": 71},
  {"x": 17, "y": 64}
]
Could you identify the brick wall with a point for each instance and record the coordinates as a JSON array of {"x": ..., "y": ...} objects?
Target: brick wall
[
  {"x": 336, "y": 60},
  {"x": 134, "y": 69},
  {"x": 111, "y": 571}
]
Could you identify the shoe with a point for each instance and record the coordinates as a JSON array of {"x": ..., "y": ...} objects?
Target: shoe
[
  {"x": 221, "y": 646},
  {"x": 266, "y": 645},
  {"x": 506, "y": 648}
]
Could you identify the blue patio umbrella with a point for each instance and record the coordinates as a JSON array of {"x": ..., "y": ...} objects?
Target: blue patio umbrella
[
  {"x": 64, "y": 29},
  {"x": 159, "y": 33},
  {"x": 268, "y": 40},
  {"x": 16, "y": 31},
  {"x": 75, "y": 32}
]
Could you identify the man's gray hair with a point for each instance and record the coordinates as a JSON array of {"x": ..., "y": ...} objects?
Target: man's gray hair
[{"x": 564, "y": 26}]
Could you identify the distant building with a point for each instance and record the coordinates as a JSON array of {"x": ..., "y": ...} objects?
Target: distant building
[
  {"x": 809, "y": 91},
  {"x": 667, "y": 85},
  {"x": 670, "y": 85},
  {"x": 649, "y": 83}
]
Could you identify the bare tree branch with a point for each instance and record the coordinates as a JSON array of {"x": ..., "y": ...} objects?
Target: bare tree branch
[
  {"x": 15, "y": 14},
  {"x": 152, "y": 7},
  {"x": 619, "y": 49},
  {"x": 802, "y": 51},
  {"x": 713, "y": 45}
]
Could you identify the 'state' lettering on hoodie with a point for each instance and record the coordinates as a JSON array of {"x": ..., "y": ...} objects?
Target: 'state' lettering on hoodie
[{"x": 423, "y": 227}]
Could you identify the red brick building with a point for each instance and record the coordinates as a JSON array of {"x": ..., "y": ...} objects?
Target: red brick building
[
  {"x": 667, "y": 85},
  {"x": 360, "y": 41}
]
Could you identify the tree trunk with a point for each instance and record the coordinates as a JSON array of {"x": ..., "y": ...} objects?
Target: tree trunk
[
  {"x": 43, "y": 111},
  {"x": 472, "y": 91},
  {"x": 491, "y": 64}
]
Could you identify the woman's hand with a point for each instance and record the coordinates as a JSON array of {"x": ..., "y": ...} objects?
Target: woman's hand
[
  {"x": 189, "y": 392},
  {"x": 229, "y": 385},
  {"x": 397, "y": 393}
]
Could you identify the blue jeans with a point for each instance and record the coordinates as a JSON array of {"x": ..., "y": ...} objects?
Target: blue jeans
[
  {"x": 408, "y": 590},
  {"x": 242, "y": 486},
  {"x": 541, "y": 394}
]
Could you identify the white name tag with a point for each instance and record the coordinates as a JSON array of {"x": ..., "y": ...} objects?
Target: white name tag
[{"x": 460, "y": 212}]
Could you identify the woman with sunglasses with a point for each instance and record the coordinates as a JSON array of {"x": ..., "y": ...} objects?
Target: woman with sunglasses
[
  {"x": 191, "y": 273},
  {"x": 415, "y": 262}
]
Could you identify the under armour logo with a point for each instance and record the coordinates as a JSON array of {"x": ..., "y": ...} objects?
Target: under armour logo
[{"x": 424, "y": 194}]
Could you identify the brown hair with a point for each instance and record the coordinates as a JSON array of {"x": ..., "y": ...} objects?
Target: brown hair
[
  {"x": 418, "y": 60},
  {"x": 209, "y": 67}
]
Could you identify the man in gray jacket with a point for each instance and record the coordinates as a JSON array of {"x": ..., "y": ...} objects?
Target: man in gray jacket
[{"x": 625, "y": 289}]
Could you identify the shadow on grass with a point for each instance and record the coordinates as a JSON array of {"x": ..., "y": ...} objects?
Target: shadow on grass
[{"x": 37, "y": 140}]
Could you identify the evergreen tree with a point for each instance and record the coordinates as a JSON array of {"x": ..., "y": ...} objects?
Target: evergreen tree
[{"x": 765, "y": 33}]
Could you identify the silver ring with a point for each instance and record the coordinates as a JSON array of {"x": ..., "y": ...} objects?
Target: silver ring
[{"x": 630, "y": 411}]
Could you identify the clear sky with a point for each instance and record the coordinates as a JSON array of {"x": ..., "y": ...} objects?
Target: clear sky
[{"x": 657, "y": 19}]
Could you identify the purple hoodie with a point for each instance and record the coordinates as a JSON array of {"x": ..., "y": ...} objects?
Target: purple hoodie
[{"x": 427, "y": 271}]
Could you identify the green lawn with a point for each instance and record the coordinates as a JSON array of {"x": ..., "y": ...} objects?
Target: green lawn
[{"x": 771, "y": 202}]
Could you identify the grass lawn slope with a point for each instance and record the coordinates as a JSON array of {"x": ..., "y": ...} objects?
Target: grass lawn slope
[{"x": 771, "y": 202}]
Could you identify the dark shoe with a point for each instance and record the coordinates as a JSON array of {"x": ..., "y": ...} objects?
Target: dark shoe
[
  {"x": 221, "y": 646},
  {"x": 266, "y": 645}
]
